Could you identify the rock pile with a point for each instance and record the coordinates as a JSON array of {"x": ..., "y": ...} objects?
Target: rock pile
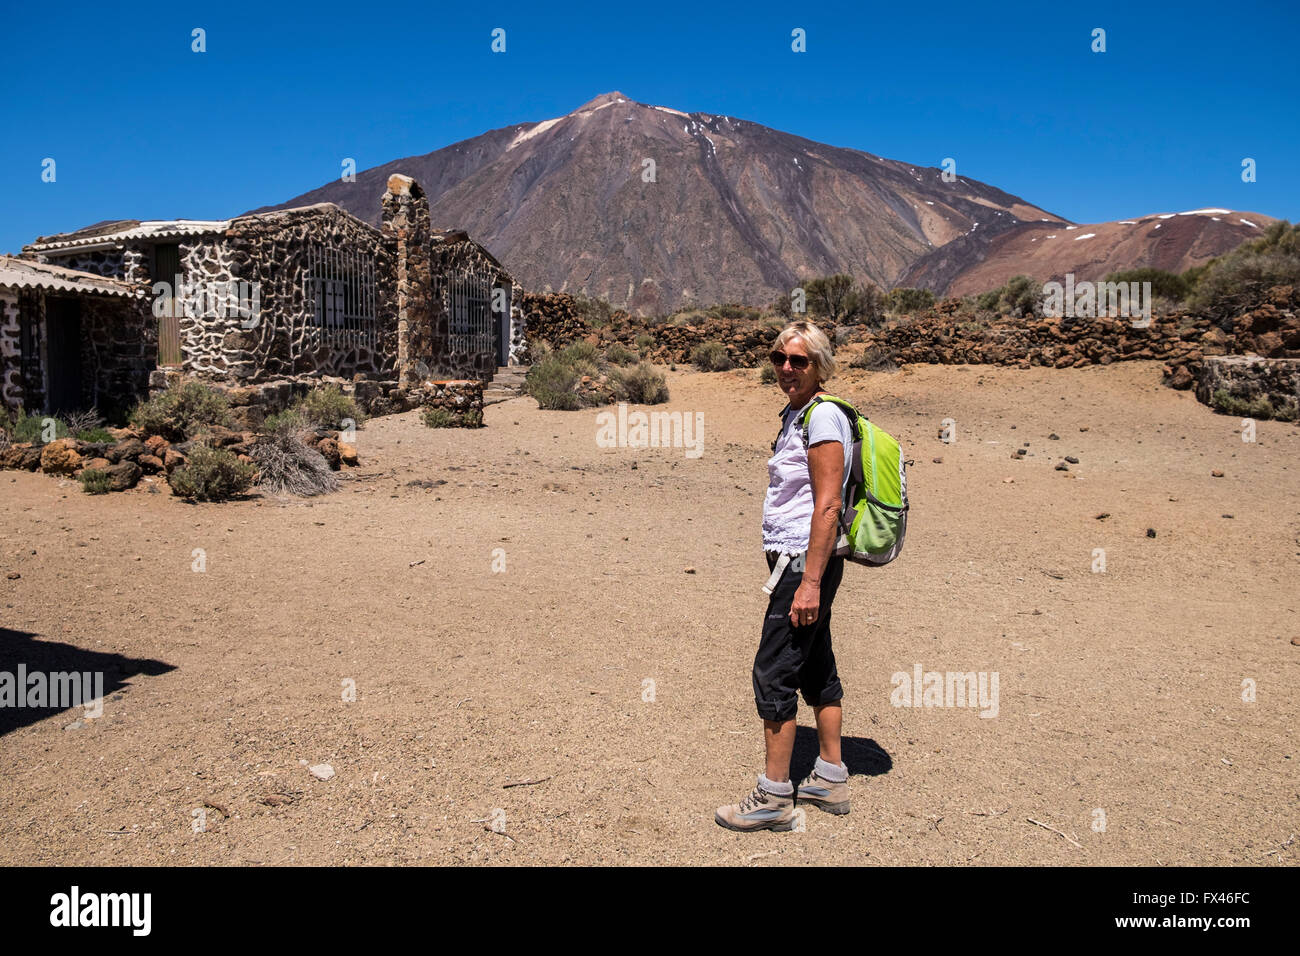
[
  {"x": 251, "y": 405},
  {"x": 124, "y": 460},
  {"x": 553, "y": 317},
  {"x": 134, "y": 454},
  {"x": 1250, "y": 385}
]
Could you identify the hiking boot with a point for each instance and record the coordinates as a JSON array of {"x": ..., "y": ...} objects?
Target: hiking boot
[
  {"x": 758, "y": 811},
  {"x": 824, "y": 794}
]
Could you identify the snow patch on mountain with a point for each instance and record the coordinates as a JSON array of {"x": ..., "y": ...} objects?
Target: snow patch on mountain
[{"x": 537, "y": 130}]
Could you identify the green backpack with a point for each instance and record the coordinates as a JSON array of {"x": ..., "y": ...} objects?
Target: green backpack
[{"x": 873, "y": 520}]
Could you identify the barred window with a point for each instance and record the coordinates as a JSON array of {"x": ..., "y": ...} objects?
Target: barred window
[
  {"x": 469, "y": 314},
  {"x": 340, "y": 296}
]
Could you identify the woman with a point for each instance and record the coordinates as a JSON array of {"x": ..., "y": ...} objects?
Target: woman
[{"x": 800, "y": 524}]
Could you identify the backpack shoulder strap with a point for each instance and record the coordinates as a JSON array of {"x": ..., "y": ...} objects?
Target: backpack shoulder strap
[
  {"x": 849, "y": 411},
  {"x": 778, "y": 434}
]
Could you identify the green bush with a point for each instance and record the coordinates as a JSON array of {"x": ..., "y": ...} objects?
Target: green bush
[
  {"x": 620, "y": 354},
  {"x": 96, "y": 435},
  {"x": 908, "y": 301},
  {"x": 595, "y": 313},
  {"x": 645, "y": 343},
  {"x": 325, "y": 406},
  {"x": 732, "y": 310},
  {"x": 583, "y": 358},
  {"x": 641, "y": 385},
  {"x": 551, "y": 381},
  {"x": 182, "y": 411},
  {"x": 1259, "y": 407},
  {"x": 767, "y": 374},
  {"x": 95, "y": 482},
  {"x": 288, "y": 422},
  {"x": 710, "y": 357},
  {"x": 211, "y": 474},
  {"x": 1236, "y": 282},
  {"x": 580, "y": 351},
  {"x": 31, "y": 428},
  {"x": 435, "y": 417},
  {"x": 838, "y": 299},
  {"x": 1021, "y": 296},
  {"x": 1170, "y": 285}
]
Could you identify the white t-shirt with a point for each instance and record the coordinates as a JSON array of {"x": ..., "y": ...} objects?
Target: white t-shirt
[{"x": 788, "y": 506}]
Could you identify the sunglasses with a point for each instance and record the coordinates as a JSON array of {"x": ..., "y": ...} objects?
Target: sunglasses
[{"x": 797, "y": 362}]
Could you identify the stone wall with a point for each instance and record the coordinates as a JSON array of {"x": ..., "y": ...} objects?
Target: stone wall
[
  {"x": 11, "y": 377},
  {"x": 461, "y": 395},
  {"x": 1270, "y": 385},
  {"x": 119, "y": 347},
  {"x": 31, "y": 316},
  {"x": 554, "y": 317},
  {"x": 518, "y": 334},
  {"x": 282, "y": 254},
  {"x": 251, "y": 404},
  {"x": 102, "y": 262}
]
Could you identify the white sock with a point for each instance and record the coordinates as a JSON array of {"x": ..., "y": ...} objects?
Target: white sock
[
  {"x": 831, "y": 772},
  {"x": 783, "y": 789}
]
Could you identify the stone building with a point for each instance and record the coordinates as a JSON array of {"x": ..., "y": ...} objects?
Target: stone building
[
  {"x": 70, "y": 340},
  {"x": 295, "y": 295}
]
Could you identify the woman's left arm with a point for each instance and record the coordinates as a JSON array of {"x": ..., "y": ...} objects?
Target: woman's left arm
[{"x": 826, "y": 472}]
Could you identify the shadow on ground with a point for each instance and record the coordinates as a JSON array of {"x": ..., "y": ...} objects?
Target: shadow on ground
[
  {"x": 19, "y": 648},
  {"x": 862, "y": 755}
]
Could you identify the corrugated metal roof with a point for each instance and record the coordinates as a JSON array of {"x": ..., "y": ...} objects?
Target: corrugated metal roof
[
  {"x": 153, "y": 229},
  {"x": 26, "y": 274}
]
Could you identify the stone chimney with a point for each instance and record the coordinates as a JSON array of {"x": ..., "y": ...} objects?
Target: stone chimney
[{"x": 406, "y": 218}]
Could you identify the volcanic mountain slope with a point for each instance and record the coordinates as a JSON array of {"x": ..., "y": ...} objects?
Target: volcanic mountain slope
[
  {"x": 734, "y": 211},
  {"x": 1169, "y": 241}
]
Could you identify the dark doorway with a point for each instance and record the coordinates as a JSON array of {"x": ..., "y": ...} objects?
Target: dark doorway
[
  {"x": 63, "y": 354},
  {"x": 167, "y": 268}
]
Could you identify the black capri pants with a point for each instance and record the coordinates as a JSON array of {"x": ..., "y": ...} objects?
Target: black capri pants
[{"x": 793, "y": 660}]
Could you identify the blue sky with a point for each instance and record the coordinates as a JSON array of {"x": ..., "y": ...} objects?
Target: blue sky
[{"x": 141, "y": 127}]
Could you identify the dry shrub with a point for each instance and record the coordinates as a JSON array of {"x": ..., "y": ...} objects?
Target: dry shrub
[{"x": 289, "y": 466}]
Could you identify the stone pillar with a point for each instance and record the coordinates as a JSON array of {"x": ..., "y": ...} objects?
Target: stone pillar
[{"x": 406, "y": 218}]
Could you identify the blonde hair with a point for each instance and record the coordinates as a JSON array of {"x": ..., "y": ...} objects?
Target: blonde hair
[{"x": 815, "y": 341}]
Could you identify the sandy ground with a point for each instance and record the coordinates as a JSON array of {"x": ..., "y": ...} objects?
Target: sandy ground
[{"x": 1120, "y": 693}]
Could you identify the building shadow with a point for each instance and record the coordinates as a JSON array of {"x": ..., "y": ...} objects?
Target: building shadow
[
  {"x": 862, "y": 755},
  {"x": 54, "y": 657}
]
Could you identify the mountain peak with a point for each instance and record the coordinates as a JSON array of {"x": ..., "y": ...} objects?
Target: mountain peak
[
  {"x": 744, "y": 212},
  {"x": 605, "y": 99}
]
